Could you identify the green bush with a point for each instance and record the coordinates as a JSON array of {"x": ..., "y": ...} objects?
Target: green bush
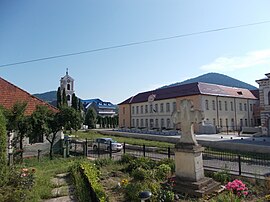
[
  {"x": 142, "y": 162},
  {"x": 3, "y": 150},
  {"x": 169, "y": 162},
  {"x": 80, "y": 173},
  {"x": 126, "y": 158},
  {"x": 162, "y": 172},
  {"x": 133, "y": 189},
  {"x": 103, "y": 162},
  {"x": 222, "y": 176},
  {"x": 165, "y": 195},
  {"x": 140, "y": 174}
]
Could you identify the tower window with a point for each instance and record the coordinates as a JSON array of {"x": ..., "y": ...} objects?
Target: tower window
[
  {"x": 68, "y": 86},
  {"x": 68, "y": 97}
]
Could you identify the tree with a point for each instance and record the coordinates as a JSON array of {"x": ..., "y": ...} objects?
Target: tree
[
  {"x": 3, "y": 149},
  {"x": 17, "y": 122},
  {"x": 45, "y": 122},
  {"x": 70, "y": 118},
  {"x": 90, "y": 118},
  {"x": 64, "y": 98},
  {"x": 74, "y": 102},
  {"x": 59, "y": 98}
]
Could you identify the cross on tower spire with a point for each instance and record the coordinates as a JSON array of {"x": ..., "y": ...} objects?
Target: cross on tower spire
[{"x": 67, "y": 71}]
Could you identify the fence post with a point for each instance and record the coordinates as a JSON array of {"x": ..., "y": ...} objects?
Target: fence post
[
  {"x": 110, "y": 149},
  {"x": 143, "y": 150},
  {"x": 239, "y": 164},
  {"x": 86, "y": 147},
  {"x": 169, "y": 152},
  {"x": 98, "y": 149},
  {"x": 38, "y": 155},
  {"x": 124, "y": 147}
]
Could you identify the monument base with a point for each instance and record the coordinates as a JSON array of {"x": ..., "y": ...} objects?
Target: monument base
[
  {"x": 189, "y": 171},
  {"x": 200, "y": 188}
]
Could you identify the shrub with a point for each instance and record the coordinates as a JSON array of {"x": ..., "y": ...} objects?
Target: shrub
[
  {"x": 222, "y": 176},
  {"x": 140, "y": 174},
  {"x": 162, "y": 172},
  {"x": 103, "y": 162},
  {"x": 133, "y": 189},
  {"x": 142, "y": 162},
  {"x": 169, "y": 162},
  {"x": 126, "y": 158},
  {"x": 84, "y": 175},
  {"x": 165, "y": 195},
  {"x": 3, "y": 152}
]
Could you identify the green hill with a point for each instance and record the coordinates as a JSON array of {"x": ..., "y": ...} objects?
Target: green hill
[{"x": 216, "y": 78}]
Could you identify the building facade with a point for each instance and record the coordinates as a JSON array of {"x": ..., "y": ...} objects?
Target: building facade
[
  {"x": 103, "y": 109},
  {"x": 224, "y": 107},
  {"x": 67, "y": 83},
  {"x": 264, "y": 93}
]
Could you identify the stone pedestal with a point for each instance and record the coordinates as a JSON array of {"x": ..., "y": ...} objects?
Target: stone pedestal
[
  {"x": 188, "y": 161},
  {"x": 189, "y": 171}
]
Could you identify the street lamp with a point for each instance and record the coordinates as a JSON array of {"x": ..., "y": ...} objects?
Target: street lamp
[{"x": 145, "y": 195}]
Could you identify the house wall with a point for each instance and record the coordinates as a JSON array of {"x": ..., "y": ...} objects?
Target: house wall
[{"x": 124, "y": 115}]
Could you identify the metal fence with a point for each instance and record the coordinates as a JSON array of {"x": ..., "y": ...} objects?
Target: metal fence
[{"x": 254, "y": 164}]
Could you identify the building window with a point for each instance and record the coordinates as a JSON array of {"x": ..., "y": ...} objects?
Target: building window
[
  {"x": 214, "y": 121},
  {"x": 124, "y": 110},
  {"x": 146, "y": 109},
  {"x": 137, "y": 123},
  {"x": 246, "y": 122},
  {"x": 231, "y": 106},
  {"x": 213, "y": 104},
  {"x": 68, "y": 86},
  {"x": 220, "y": 107},
  {"x": 240, "y": 107},
  {"x": 245, "y": 107},
  {"x": 251, "y": 122},
  {"x": 232, "y": 123},
  {"x": 137, "y": 109},
  {"x": 156, "y": 108},
  {"x": 133, "y": 122},
  {"x": 220, "y": 122},
  {"x": 151, "y": 108},
  {"x": 251, "y": 108},
  {"x": 162, "y": 123},
  {"x": 146, "y": 123},
  {"x": 162, "y": 107},
  {"x": 241, "y": 122},
  {"x": 156, "y": 123},
  {"x": 168, "y": 123},
  {"x": 142, "y": 109},
  {"x": 133, "y": 110},
  {"x": 68, "y": 97},
  {"x": 226, "y": 106},
  {"x": 151, "y": 123},
  {"x": 206, "y": 105},
  {"x": 174, "y": 106},
  {"x": 226, "y": 122},
  {"x": 141, "y": 122},
  {"x": 167, "y": 107},
  {"x": 269, "y": 98},
  {"x": 124, "y": 123}
]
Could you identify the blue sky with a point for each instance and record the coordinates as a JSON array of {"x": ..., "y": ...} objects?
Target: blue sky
[{"x": 36, "y": 29}]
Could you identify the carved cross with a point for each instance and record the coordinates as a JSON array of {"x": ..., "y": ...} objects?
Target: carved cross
[{"x": 187, "y": 116}]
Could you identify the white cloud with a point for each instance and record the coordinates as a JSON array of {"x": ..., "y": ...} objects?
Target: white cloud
[{"x": 250, "y": 59}]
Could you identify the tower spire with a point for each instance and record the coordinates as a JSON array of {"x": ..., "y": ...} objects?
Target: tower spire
[{"x": 67, "y": 71}]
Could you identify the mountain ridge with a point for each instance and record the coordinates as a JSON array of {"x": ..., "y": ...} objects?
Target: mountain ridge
[{"x": 216, "y": 78}]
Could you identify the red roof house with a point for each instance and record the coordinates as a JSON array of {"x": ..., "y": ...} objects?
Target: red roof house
[{"x": 10, "y": 94}]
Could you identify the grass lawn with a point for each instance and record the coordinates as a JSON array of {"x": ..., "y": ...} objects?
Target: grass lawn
[{"x": 149, "y": 143}]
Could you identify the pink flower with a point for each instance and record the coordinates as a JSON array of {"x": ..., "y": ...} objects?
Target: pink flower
[{"x": 245, "y": 193}]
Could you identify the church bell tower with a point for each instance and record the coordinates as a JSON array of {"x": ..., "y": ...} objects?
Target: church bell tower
[{"x": 67, "y": 83}]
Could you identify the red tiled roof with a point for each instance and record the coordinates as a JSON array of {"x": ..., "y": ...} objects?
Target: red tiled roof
[
  {"x": 191, "y": 89},
  {"x": 10, "y": 94}
]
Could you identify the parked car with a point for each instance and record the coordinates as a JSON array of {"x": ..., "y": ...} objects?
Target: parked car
[{"x": 104, "y": 144}]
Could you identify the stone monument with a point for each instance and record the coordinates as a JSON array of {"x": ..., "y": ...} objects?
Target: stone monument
[{"x": 189, "y": 170}]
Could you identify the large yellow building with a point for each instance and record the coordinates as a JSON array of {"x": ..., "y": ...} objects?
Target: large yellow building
[{"x": 224, "y": 107}]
